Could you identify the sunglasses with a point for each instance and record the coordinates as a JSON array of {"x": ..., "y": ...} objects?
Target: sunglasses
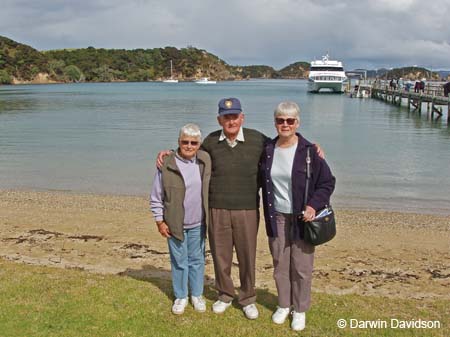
[
  {"x": 289, "y": 121},
  {"x": 192, "y": 142}
]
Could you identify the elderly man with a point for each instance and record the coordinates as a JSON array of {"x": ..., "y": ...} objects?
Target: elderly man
[
  {"x": 235, "y": 152},
  {"x": 234, "y": 204}
]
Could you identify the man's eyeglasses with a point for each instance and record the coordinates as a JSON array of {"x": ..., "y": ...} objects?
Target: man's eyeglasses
[
  {"x": 192, "y": 142},
  {"x": 289, "y": 121}
]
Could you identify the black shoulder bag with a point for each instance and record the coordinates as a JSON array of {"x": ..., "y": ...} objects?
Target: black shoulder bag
[{"x": 323, "y": 228}]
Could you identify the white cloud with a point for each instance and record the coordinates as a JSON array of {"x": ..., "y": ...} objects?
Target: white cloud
[
  {"x": 389, "y": 5},
  {"x": 275, "y": 32}
]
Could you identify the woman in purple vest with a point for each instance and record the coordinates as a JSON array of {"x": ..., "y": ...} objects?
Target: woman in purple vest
[
  {"x": 179, "y": 203},
  {"x": 283, "y": 178}
]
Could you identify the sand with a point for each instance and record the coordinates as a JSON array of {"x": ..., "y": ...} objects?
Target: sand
[{"x": 389, "y": 254}]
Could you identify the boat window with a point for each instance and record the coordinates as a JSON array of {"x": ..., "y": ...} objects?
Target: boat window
[
  {"x": 327, "y": 69},
  {"x": 327, "y": 78}
]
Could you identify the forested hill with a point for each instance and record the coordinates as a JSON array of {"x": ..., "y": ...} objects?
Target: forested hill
[
  {"x": 295, "y": 70},
  {"x": 107, "y": 65},
  {"x": 412, "y": 73},
  {"x": 20, "y": 63}
]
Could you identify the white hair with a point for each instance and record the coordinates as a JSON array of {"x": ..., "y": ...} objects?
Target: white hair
[
  {"x": 287, "y": 108},
  {"x": 190, "y": 130}
]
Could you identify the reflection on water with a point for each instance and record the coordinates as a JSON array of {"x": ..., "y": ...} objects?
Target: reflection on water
[
  {"x": 10, "y": 104},
  {"x": 105, "y": 137}
]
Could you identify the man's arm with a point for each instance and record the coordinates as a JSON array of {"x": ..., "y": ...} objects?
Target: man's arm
[
  {"x": 160, "y": 158},
  {"x": 319, "y": 149}
]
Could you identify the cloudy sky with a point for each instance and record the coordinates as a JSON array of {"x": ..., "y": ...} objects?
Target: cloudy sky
[{"x": 362, "y": 33}]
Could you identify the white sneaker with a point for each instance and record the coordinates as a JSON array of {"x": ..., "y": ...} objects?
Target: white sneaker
[
  {"x": 220, "y": 307},
  {"x": 298, "y": 321},
  {"x": 178, "y": 305},
  {"x": 251, "y": 311},
  {"x": 198, "y": 303},
  {"x": 280, "y": 315}
]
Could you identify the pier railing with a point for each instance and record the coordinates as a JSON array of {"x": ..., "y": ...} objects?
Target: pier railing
[
  {"x": 432, "y": 94},
  {"x": 431, "y": 88}
]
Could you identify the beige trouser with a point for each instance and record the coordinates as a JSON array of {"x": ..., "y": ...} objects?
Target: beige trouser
[
  {"x": 293, "y": 266},
  {"x": 237, "y": 228}
]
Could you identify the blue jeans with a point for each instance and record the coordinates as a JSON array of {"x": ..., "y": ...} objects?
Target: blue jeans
[{"x": 188, "y": 262}]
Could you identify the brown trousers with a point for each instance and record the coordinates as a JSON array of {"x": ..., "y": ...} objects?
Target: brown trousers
[
  {"x": 293, "y": 262},
  {"x": 238, "y": 228}
]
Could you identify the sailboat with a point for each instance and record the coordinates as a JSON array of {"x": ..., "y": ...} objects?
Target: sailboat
[{"x": 171, "y": 79}]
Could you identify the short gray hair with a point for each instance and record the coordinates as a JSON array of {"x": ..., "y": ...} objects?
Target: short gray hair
[
  {"x": 287, "y": 108},
  {"x": 190, "y": 130}
]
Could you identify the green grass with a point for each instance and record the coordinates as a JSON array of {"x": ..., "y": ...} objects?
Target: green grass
[{"x": 42, "y": 301}]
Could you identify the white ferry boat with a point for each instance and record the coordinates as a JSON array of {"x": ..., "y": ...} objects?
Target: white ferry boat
[{"x": 326, "y": 74}]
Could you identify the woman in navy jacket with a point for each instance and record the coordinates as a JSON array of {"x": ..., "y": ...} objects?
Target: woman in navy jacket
[{"x": 283, "y": 179}]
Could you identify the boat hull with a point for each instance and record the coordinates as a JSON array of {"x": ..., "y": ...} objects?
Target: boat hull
[
  {"x": 317, "y": 86},
  {"x": 205, "y": 82}
]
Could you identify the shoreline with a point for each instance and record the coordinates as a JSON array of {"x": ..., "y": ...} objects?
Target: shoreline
[
  {"x": 388, "y": 254},
  {"x": 342, "y": 202},
  {"x": 39, "y": 82}
]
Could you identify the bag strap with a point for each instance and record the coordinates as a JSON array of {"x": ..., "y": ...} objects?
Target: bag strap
[{"x": 308, "y": 176}]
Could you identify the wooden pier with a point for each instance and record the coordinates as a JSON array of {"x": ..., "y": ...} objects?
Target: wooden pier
[{"x": 432, "y": 95}]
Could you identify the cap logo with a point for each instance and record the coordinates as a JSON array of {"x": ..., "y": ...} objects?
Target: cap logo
[{"x": 228, "y": 104}]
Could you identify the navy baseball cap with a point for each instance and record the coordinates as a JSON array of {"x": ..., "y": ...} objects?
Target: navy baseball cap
[{"x": 229, "y": 106}]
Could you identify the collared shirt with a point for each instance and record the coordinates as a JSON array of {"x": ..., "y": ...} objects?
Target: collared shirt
[
  {"x": 193, "y": 212},
  {"x": 233, "y": 143}
]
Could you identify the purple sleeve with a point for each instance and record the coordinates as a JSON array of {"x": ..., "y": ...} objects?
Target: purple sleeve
[
  {"x": 156, "y": 197},
  {"x": 324, "y": 184}
]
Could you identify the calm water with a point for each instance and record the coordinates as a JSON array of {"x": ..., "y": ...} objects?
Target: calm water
[{"x": 103, "y": 138}]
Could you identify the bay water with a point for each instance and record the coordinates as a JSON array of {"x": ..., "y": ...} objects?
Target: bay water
[{"x": 104, "y": 138}]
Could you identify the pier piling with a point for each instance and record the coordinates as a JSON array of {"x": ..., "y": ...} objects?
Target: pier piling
[{"x": 433, "y": 97}]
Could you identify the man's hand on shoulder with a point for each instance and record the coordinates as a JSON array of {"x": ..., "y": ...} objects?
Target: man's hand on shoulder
[
  {"x": 160, "y": 158},
  {"x": 320, "y": 151}
]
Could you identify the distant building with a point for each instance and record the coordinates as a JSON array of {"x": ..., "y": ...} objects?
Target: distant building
[{"x": 357, "y": 74}]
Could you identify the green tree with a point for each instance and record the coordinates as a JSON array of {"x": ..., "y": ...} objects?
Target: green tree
[
  {"x": 73, "y": 74},
  {"x": 139, "y": 76},
  {"x": 5, "y": 78},
  {"x": 34, "y": 71},
  {"x": 56, "y": 68},
  {"x": 103, "y": 74}
]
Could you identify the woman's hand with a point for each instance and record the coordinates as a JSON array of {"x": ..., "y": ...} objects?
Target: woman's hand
[
  {"x": 309, "y": 214},
  {"x": 164, "y": 229}
]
